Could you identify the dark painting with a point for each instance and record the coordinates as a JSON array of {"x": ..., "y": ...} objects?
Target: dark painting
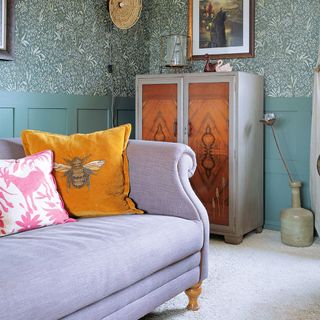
[{"x": 221, "y": 23}]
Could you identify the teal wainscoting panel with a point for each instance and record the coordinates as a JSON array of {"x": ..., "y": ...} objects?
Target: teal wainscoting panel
[
  {"x": 293, "y": 129},
  {"x": 90, "y": 120},
  {"x": 124, "y": 112},
  {"x": 7, "y": 127},
  {"x": 57, "y": 113},
  {"x": 51, "y": 120}
]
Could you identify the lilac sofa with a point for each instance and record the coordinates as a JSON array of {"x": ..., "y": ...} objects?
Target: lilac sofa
[{"x": 119, "y": 267}]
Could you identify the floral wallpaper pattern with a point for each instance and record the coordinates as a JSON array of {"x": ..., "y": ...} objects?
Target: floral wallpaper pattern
[
  {"x": 65, "y": 46},
  {"x": 130, "y": 53},
  {"x": 286, "y": 42},
  {"x": 61, "y": 46}
]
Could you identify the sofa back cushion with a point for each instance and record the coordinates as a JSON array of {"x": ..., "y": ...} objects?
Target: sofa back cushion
[
  {"x": 28, "y": 194},
  {"x": 91, "y": 169},
  {"x": 11, "y": 148}
]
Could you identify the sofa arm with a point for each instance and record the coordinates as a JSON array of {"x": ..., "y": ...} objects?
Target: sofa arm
[{"x": 159, "y": 178}]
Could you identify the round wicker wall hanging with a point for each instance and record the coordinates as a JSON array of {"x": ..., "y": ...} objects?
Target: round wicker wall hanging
[{"x": 125, "y": 14}]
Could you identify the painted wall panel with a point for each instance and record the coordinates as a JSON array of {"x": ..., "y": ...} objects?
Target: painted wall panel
[
  {"x": 127, "y": 116},
  {"x": 7, "y": 122},
  {"x": 51, "y": 120},
  {"x": 124, "y": 112},
  {"x": 52, "y": 112},
  {"x": 92, "y": 120},
  {"x": 293, "y": 131}
]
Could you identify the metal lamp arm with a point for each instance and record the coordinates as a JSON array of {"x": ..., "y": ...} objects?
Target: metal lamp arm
[{"x": 281, "y": 155}]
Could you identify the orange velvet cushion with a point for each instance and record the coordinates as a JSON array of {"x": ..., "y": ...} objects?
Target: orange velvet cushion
[{"x": 91, "y": 170}]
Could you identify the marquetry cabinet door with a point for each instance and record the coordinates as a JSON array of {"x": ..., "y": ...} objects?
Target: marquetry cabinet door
[
  {"x": 208, "y": 111},
  {"x": 159, "y": 115}
]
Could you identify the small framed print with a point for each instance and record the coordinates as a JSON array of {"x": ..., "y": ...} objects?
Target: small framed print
[
  {"x": 221, "y": 28},
  {"x": 6, "y": 29}
]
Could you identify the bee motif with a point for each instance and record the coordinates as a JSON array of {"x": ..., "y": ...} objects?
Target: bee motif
[{"x": 77, "y": 172}]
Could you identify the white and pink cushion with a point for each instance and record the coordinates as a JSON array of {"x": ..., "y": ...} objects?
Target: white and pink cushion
[{"x": 28, "y": 194}]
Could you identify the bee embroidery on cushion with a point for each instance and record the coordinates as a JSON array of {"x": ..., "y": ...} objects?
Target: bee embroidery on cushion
[{"x": 77, "y": 172}]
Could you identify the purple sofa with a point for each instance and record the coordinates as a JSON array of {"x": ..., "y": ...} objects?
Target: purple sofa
[{"x": 117, "y": 267}]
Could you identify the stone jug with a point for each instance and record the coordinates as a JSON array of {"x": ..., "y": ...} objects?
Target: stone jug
[{"x": 297, "y": 224}]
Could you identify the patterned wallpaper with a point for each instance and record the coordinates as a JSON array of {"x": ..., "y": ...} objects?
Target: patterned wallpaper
[
  {"x": 61, "y": 46},
  {"x": 130, "y": 53},
  {"x": 286, "y": 41},
  {"x": 65, "y": 46}
]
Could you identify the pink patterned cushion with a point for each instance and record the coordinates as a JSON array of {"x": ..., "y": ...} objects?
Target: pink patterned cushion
[{"x": 28, "y": 194}]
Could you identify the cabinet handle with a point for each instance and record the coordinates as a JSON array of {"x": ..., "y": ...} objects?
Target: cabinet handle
[
  {"x": 175, "y": 128},
  {"x": 189, "y": 129}
]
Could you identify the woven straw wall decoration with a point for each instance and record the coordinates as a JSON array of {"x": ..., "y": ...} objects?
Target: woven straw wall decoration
[{"x": 125, "y": 14}]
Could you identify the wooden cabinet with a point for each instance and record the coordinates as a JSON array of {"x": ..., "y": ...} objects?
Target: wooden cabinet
[{"x": 217, "y": 115}]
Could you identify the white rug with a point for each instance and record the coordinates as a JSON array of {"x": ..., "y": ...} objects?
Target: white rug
[{"x": 259, "y": 279}]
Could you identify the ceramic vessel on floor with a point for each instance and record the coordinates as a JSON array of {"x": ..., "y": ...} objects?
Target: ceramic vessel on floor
[{"x": 297, "y": 224}]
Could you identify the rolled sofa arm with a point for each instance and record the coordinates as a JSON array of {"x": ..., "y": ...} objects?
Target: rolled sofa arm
[{"x": 159, "y": 178}]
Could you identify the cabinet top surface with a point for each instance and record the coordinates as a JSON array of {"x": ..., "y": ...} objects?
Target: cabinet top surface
[{"x": 198, "y": 74}]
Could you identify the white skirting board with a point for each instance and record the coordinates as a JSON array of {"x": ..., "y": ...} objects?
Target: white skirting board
[{"x": 315, "y": 153}]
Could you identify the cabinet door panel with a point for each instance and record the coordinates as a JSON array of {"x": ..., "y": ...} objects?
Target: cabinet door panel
[
  {"x": 160, "y": 112},
  {"x": 208, "y": 116}
]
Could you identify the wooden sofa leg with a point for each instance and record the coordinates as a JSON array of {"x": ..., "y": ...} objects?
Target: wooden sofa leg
[{"x": 193, "y": 294}]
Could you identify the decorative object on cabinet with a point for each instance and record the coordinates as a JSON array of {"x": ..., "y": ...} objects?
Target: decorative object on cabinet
[
  {"x": 126, "y": 13},
  {"x": 223, "y": 67},
  {"x": 173, "y": 52},
  {"x": 217, "y": 115},
  {"x": 6, "y": 29},
  {"x": 209, "y": 66},
  {"x": 297, "y": 227},
  {"x": 223, "y": 28}
]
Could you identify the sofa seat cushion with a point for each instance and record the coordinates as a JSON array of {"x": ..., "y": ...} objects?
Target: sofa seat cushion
[{"x": 51, "y": 272}]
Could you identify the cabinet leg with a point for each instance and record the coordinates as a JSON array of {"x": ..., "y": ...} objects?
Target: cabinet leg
[
  {"x": 233, "y": 239},
  {"x": 259, "y": 230},
  {"x": 193, "y": 294}
]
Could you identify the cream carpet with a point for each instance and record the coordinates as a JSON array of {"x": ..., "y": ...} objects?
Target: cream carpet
[{"x": 259, "y": 279}]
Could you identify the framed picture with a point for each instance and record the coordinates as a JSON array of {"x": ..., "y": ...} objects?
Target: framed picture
[
  {"x": 221, "y": 28},
  {"x": 6, "y": 29}
]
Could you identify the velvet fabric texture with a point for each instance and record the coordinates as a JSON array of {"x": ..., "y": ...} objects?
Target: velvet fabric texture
[{"x": 91, "y": 170}]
